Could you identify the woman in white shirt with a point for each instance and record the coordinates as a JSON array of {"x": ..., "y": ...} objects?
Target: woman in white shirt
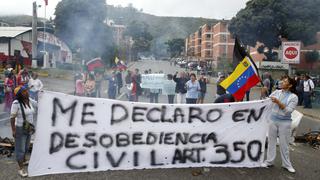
[
  {"x": 284, "y": 103},
  {"x": 21, "y": 117},
  {"x": 35, "y": 85}
]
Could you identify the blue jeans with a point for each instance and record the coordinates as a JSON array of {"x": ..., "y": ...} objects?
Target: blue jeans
[
  {"x": 170, "y": 99},
  {"x": 191, "y": 101},
  {"x": 307, "y": 100},
  {"x": 22, "y": 142},
  {"x": 154, "y": 97},
  {"x": 33, "y": 95}
]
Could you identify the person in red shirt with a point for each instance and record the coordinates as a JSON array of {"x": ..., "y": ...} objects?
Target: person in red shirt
[{"x": 23, "y": 77}]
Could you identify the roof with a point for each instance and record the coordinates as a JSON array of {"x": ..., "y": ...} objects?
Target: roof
[{"x": 12, "y": 32}]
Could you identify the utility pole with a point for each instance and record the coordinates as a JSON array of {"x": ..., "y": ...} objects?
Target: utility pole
[{"x": 34, "y": 36}]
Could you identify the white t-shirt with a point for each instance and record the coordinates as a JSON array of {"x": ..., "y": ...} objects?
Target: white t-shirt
[
  {"x": 308, "y": 85},
  {"x": 35, "y": 85},
  {"x": 16, "y": 112}
]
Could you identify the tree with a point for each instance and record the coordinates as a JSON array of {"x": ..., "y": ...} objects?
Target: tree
[
  {"x": 312, "y": 57},
  {"x": 175, "y": 47},
  {"x": 80, "y": 23},
  {"x": 141, "y": 37},
  {"x": 267, "y": 21}
]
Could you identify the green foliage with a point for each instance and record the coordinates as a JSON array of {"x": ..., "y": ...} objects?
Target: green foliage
[
  {"x": 175, "y": 47},
  {"x": 268, "y": 21},
  {"x": 23, "y": 20},
  {"x": 141, "y": 36},
  {"x": 312, "y": 57},
  {"x": 162, "y": 29},
  {"x": 80, "y": 23}
]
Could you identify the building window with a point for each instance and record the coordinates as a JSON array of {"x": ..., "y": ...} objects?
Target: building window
[
  {"x": 208, "y": 45},
  {"x": 208, "y": 54},
  {"x": 208, "y": 36},
  {"x": 223, "y": 38}
]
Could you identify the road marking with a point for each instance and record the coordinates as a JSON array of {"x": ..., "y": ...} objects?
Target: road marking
[{"x": 4, "y": 119}]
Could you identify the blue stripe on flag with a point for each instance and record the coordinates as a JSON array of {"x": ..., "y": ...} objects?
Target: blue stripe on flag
[{"x": 241, "y": 80}]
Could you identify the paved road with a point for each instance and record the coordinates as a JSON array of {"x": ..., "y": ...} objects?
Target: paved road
[{"x": 305, "y": 159}]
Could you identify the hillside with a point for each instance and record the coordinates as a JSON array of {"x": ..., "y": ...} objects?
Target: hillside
[
  {"x": 20, "y": 20},
  {"x": 161, "y": 28}
]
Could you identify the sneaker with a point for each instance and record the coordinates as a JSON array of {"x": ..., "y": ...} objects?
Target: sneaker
[
  {"x": 25, "y": 163},
  {"x": 23, "y": 173},
  {"x": 290, "y": 169},
  {"x": 265, "y": 165}
]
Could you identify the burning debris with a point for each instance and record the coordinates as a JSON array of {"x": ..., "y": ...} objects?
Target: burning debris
[{"x": 6, "y": 147}]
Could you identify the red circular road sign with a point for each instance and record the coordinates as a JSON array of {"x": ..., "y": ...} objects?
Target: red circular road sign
[{"x": 291, "y": 52}]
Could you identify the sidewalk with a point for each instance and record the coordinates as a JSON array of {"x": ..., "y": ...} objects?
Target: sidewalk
[{"x": 313, "y": 113}]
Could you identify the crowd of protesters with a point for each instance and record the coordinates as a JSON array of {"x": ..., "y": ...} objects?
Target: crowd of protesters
[
  {"x": 304, "y": 87},
  {"x": 24, "y": 78},
  {"x": 189, "y": 88}
]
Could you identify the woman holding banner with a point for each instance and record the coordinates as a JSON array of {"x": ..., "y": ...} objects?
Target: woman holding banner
[
  {"x": 22, "y": 111},
  {"x": 284, "y": 103}
]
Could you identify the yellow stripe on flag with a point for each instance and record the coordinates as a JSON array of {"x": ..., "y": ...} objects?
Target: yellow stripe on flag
[
  {"x": 116, "y": 60},
  {"x": 242, "y": 67}
]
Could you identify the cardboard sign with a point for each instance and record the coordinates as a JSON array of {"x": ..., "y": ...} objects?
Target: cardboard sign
[{"x": 152, "y": 81}]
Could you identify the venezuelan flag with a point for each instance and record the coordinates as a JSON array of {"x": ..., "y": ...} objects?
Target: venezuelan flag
[{"x": 244, "y": 77}]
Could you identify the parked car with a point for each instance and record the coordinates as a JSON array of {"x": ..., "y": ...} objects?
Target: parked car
[
  {"x": 182, "y": 63},
  {"x": 192, "y": 65}
]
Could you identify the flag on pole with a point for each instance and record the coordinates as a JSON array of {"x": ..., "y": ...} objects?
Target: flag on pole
[
  {"x": 94, "y": 63},
  {"x": 46, "y": 2},
  {"x": 244, "y": 77},
  {"x": 239, "y": 53}
]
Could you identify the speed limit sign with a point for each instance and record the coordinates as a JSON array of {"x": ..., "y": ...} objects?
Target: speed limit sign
[{"x": 291, "y": 52}]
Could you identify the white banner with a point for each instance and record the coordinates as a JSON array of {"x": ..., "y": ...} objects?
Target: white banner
[
  {"x": 291, "y": 52},
  {"x": 168, "y": 87},
  {"x": 79, "y": 134},
  {"x": 152, "y": 81}
]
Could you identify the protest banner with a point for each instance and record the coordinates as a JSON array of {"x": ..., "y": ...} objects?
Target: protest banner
[
  {"x": 152, "y": 81},
  {"x": 80, "y": 134},
  {"x": 168, "y": 87}
]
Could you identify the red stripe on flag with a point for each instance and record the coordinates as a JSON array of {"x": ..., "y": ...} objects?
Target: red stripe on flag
[
  {"x": 94, "y": 64},
  {"x": 252, "y": 81}
]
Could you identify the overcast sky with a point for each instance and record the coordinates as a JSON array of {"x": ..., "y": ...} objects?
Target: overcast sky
[{"x": 188, "y": 8}]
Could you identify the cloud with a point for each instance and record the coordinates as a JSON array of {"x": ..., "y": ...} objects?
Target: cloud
[
  {"x": 195, "y": 8},
  {"x": 188, "y": 8}
]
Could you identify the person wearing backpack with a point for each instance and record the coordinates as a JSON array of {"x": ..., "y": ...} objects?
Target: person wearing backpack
[{"x": 308, "y": 87}]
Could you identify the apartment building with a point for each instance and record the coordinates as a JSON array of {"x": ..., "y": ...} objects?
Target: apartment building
[
  {"x": 198, "y": 40},
  {"x": 211, "y": 43},
  {"x": 223, "y": 44},
  {"x": 206, "y": 43}
]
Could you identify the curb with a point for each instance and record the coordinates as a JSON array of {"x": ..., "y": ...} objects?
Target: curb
[{"x": 311, "y": 116}]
